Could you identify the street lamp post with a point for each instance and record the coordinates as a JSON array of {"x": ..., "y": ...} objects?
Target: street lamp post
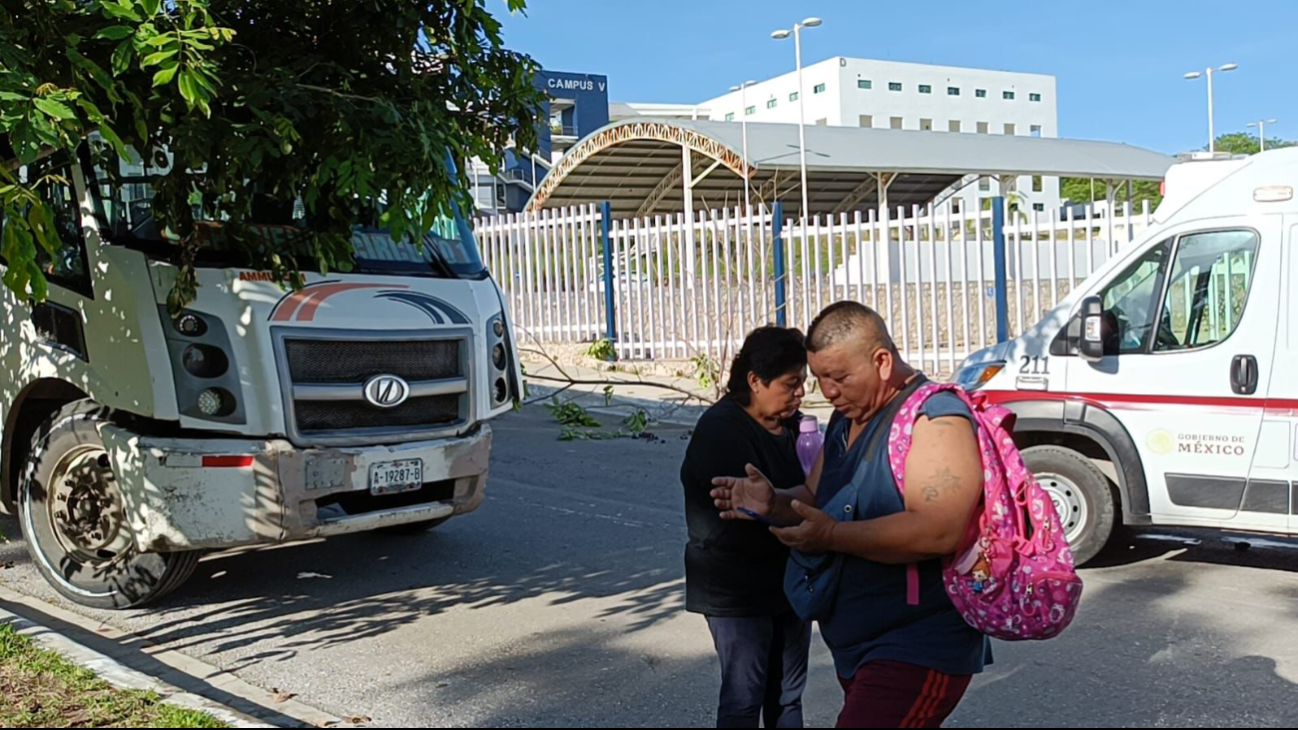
[
  {"x": 1212, "y": 136},
  {"x": 1261, "y": 130},
  {"x": 780, "y": 35},
  {"x": 743, "y": 103}
]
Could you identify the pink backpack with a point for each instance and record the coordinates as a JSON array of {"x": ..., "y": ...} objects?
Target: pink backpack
[{"x": 1014, "y": 577}]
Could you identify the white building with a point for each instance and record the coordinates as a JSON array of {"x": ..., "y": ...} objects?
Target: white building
[{"x": 886, "y": 94}]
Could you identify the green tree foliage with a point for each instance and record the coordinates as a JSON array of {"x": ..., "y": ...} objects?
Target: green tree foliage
[
  {"x": 1079, "y": 189},
  {"x": 336, "y": 105}
]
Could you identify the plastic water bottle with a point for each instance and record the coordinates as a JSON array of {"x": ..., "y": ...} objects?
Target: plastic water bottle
[{"x": 810, "y": 440}]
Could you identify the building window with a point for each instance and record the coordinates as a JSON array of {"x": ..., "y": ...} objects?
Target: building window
[
  {"x": 981, "y": 93},
  {"x": 1038, "y": 184},
  {"x": 864, "y": 84},
  {"x": 867, "y": 121},
  {"x": 926, "y": 125},
  {"x": 793, "y": 96},
  {"x": 1039, "y": 207},
  {"x": 750, "y": 111},
  {"x": 983, "y": 128},
  {"x": 896, "y": 122},
  {"x": 894, "y": 86},
  {"x": 770, "y": 103},
  {"x": 1034, "y": 97},
  {"x": 956, "y": 205},
  {"x": 1007, "y": 95},
  {"x": 1010, "y": 129},
  {"x": 984, "y": 184},
  {"x": 819, "y": 89},
  {"x": 1036, "y": 130},
  {"x": 730, "y": 117},
  {"x": 953, "y": 126},
  {"x": 953, "y": 91},
  {"x": 925, "y": 89}
]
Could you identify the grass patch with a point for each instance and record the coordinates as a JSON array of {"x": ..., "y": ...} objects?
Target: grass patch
[{"x": 39, "y": 688}]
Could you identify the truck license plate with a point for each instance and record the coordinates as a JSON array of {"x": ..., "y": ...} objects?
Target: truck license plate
[{"x": 394, "y": 477}]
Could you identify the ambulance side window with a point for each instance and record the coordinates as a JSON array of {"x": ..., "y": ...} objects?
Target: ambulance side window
[
  {"x": 1208, "y": 287},
  {"x": 1131, "y": 298}
]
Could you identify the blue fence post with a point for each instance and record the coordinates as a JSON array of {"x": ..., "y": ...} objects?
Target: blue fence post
[
  {"x": 781, "y": 295},
  {"x": 1002, "y": 270},
  {"x": 610, "y": 315}
]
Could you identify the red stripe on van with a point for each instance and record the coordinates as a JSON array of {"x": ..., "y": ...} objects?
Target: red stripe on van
[{"x": 1275, "y": 406}]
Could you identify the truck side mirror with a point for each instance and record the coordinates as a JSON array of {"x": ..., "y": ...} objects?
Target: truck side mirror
[{"x": 1090, "y": 345}]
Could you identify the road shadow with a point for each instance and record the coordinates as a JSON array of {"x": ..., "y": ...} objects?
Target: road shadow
[{"x": 1208, "y": 547}]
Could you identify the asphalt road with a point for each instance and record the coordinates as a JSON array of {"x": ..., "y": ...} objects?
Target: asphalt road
[{"x": 559, "y": 604}]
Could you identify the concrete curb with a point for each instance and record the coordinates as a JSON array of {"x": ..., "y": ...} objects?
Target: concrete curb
[
  {"x": 120, "y": 676},
  {"x": 130, "y": 662}
]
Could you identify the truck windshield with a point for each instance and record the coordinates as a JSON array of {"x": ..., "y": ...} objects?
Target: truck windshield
[{"x": 125, "y": 207}]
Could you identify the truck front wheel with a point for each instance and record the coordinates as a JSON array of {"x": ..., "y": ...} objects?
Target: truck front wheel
[
  {"x": 75, "y": 523},
  {"x": 1082, "y": 496}
]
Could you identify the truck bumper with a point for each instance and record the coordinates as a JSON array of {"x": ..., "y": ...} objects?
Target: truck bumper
[{"x": 191, "y": 494}]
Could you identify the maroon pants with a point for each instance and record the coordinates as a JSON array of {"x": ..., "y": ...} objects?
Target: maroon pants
[{"x": 892, "y": 694}]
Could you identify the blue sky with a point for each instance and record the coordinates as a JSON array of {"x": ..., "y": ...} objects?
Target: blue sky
[{"x": 1119, "y": 65}]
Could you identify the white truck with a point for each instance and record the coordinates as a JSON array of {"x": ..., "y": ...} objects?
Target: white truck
[
  {"x": 134, "y": 440},
  {"x": 1164, "y": 389}
]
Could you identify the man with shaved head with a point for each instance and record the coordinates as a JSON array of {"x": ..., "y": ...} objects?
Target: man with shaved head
[{"x": 866, "y": 561}]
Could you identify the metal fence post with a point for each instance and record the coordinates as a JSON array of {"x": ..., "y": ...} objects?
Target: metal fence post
[
  {"x": 610, "y": 313},
  {"x": 1002, "y": 273},
  {"x": 781, "y": 294}
]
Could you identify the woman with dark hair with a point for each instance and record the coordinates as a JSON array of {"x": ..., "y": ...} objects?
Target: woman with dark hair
[{"x": 734, "y": 569}]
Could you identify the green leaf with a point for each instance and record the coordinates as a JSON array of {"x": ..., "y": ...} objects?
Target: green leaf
[
  {"x": 123, "y": 11},
  {"x": 36, "y": 280},
  {"x": 115, "y": 32},
  {"x": 164, "y": 77},
  {"x": 187, "y": 88},
  {"x": 111, "y": 136},
  {"x": 158, "y": 41},
  {"x": 122, "y": 57},
  {"x": 151, "y": 6},
  {"x": 11, "y": 96},
  {"x": 154, "y": 59},
  {"x": 56, "y": 109}
]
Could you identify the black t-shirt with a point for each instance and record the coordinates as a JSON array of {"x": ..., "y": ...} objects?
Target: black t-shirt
[{"x": 734, "y": 568}]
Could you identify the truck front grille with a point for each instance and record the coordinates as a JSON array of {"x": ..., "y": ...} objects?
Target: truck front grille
[
  {"x": 327, "y": 377},
  {"x": 333, "y": 361},
  {"x": 321, "y": 415}
]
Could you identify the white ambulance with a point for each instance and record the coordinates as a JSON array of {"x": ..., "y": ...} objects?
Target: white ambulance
[
  {"x": 1164, "y": 390},
  {"x": 134, "y": 440}
]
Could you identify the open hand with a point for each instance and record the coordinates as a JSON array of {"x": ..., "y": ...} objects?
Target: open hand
[
  {"x": 814, "y": 536},
  {"x": 753, "y": 492}
]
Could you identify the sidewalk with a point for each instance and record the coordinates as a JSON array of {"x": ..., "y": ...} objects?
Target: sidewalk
[{"x": 667, "y": 398}]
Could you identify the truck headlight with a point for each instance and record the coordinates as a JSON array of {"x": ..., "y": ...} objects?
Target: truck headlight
[
  {"x": 973, "y": 377},
  {"x": 216, "y": 403}
]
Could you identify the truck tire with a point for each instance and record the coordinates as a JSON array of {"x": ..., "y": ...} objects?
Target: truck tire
[
  {"x": 75, "y": 523},
  {"x": 1082, "y": 496},
  {"x": 414, "y": 528}
]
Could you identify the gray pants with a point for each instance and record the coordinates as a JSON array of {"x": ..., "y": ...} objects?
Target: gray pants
[{"x": 763, "y": 670}]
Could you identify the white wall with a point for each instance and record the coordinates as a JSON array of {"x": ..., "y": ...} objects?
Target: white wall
[{"x": 842, "y": 103}]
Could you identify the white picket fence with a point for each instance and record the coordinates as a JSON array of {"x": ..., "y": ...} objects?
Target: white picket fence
[{"x": 688, "y": 290}]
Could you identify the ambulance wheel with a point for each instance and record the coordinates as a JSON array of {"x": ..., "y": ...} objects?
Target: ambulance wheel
[
  {"x": 75, "y": 524},
  {"x": 1082, "y": 495}
]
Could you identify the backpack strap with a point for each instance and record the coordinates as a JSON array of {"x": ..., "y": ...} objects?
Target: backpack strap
[
  {"x": 888, "y": 419},
  {"x": 909, "y": 413}
]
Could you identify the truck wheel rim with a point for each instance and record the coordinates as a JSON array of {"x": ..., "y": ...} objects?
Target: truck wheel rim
[
  {"x": 1069, "y": 503},
  {"x": 85, "y": 507}
]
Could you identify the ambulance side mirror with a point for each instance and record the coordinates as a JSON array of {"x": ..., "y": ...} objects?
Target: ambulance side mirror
[{"x": 1090, "y": 345}]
